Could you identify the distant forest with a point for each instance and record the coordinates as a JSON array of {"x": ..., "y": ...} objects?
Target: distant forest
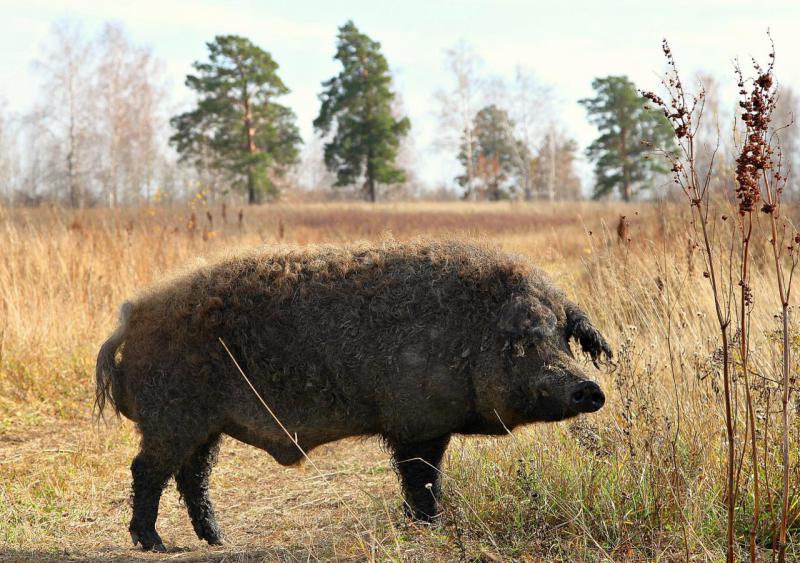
[{"x": 104, "y": 131}]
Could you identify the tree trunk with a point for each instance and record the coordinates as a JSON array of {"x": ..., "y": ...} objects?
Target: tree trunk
[
  {"x": 369, "y": 184},
  {"x": 626, "y": 184},
  {"x": 73, "y": 186},
  {"x": 369, "y": 189},
  {"x": 252, "y": 196},
  {"x": 551, "y": 188},
  {"x": 250, "y": 135},
  {"x": 72, "y": 173},
  {"x": 470, "y": 165}
]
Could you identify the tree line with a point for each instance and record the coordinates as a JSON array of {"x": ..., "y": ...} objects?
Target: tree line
[
  {"x": 102, "y": 133},
  {"x": 92, "y": 137}
]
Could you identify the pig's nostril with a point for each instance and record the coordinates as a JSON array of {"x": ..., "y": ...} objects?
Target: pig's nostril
[{"x": 588, "y": 397}]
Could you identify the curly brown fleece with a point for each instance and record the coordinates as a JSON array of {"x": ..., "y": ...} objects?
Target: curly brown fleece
[{"x": 412, "y": 341}]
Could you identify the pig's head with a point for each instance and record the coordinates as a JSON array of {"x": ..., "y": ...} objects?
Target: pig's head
[{"x": 542, "y": 379}]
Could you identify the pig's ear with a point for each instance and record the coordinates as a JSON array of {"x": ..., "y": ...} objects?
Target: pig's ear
[
  {"x": 580, "y": 327},
  {"x": 522, "y": 317}
]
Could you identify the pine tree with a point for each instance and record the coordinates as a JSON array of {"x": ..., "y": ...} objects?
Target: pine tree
[
  {"x": 498, "y": 158},
  {"x": 628, "y": 132},
  {"x": 357, "y": 109},
  {"x": 237, "y": 124}
]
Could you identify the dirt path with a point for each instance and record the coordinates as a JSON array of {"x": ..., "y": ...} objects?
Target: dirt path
[{"x": 64, "y": 487}]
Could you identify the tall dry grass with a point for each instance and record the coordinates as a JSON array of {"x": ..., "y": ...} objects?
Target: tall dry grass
[{"x": 642, "y": 479}]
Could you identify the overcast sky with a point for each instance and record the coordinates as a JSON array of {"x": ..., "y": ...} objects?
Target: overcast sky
[{"x": 565, "y": 43}]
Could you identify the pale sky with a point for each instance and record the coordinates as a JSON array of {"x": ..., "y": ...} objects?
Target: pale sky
[{"x": 565, "y": 43}]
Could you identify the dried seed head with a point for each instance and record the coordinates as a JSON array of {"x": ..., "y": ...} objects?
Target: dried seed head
[{"x": 755, "y": 156}]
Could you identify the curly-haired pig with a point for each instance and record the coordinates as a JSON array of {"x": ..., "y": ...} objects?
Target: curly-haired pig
[{"x": 409, "y": 341}]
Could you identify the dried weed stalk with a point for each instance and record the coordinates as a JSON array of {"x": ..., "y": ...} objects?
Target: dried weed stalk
[
  {"x": 758, "y": 179},
  {"x": 684, "y": 113}
]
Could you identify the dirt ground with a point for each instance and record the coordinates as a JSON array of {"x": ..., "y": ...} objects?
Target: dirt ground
[
  {"x": 640, "y": 480},
  {"x": 301, "y": 510}
]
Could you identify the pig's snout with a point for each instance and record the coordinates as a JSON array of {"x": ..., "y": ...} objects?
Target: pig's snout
[{"x": 587, "y": 397}]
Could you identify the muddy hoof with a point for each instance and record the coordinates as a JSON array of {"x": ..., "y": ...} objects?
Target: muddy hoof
[
  {"x": 430, "y": 515},
  {"x": 209, "y": 530},
  {"x": 150, "y": 541}
]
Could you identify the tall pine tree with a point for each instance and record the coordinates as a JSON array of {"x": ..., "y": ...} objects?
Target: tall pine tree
[
  {"x": 357, "y": 110},
  {"x": 498, "y": 157},
  {"x": 622, "y": 159},
  {"x": 237, "y": 124}
]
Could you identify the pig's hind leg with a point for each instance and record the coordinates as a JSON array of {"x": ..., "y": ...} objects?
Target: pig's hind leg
[
  {"x": 192, "y": 480},
  {"x": 168, "y": 446},
  {"x": 151, "y": 470}
]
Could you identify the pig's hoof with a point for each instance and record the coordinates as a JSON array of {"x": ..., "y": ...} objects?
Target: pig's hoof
[
  {"x": 420, "y": 516},
  {"x": 215, "y": 539},
  {"x": 210, "y": 532},
  {"x": 427, "y": 519},
  {"x": 150, "y": 541}
]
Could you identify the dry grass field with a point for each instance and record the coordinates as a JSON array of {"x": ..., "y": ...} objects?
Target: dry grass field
[{"x": 643, "y": 479}]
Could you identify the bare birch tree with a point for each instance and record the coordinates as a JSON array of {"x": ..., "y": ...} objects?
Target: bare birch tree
[
  {"x": 458, "y": 106},
  {"x": 708, "y": 138},
  {"x": 98, "y": 130},
  {"x": 784, "y": 117},
  {"x": 6, "y": 154},
  {"x": 530, "y": 106},
  {"x": 65, "y": 67},
  {"x": 129, "y": 94}
]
